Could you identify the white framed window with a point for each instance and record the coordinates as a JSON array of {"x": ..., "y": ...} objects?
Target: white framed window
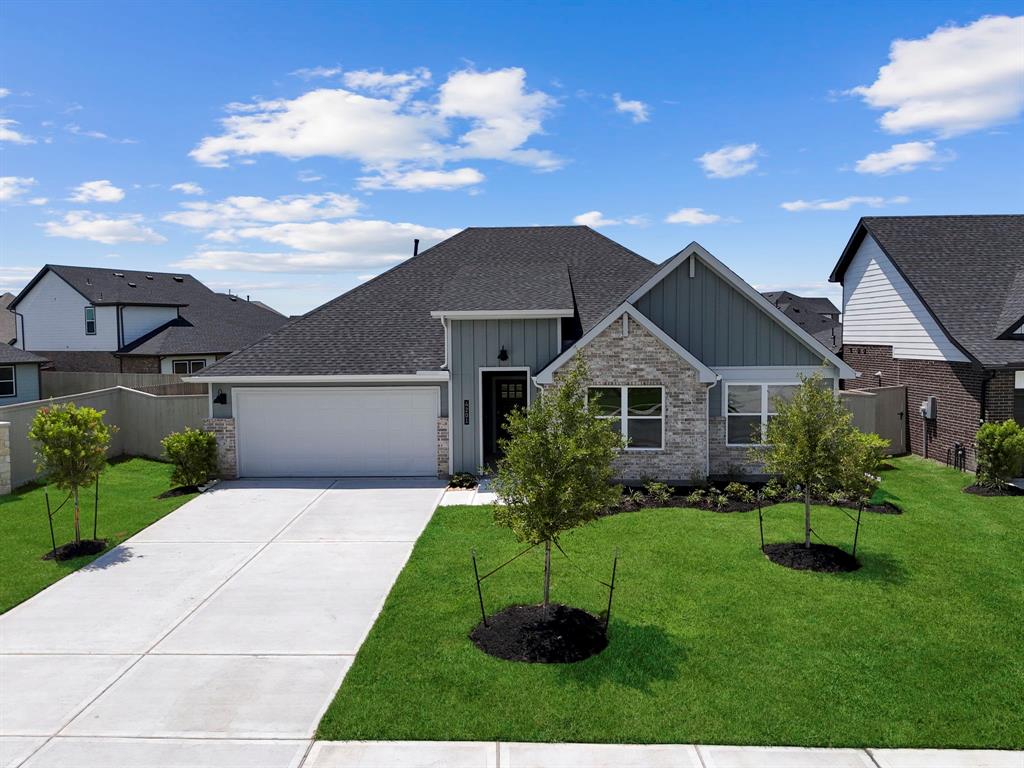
[
  {"x": 90, "y": 321},
  {"x": 749, "y": 408},
  {"x": 186, "y": 367},
  {"x": 8, "y": 386},
  {"x": 638, "y": 411}
]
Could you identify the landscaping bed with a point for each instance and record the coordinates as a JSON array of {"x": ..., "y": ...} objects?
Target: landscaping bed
[
  {"x": 128, "y": 503},
  {"x": 709, "y": 641}
]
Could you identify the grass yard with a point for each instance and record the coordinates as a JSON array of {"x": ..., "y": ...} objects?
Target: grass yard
[
  {"x": 712, "y": 643},
  {"x": 127, "y": 505}
]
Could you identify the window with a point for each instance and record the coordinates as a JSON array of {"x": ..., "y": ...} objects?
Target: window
[
  {"x": 90, "y": 321},
  {"x": 750, "y": 407},
  {"x": 185, "y": 367},
  {"x": 638, "y": 412},
  {"x": 7, "y": 385}
]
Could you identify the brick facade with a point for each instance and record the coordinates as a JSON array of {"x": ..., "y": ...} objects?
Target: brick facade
[
  {"x": 227, "y": 457},
  {"x": 140, "y": 364},
  {"x": 640, "y": 359},
  {"x": 442, "y": 447},
  {"x": 733, "y": 461},
  {"x": 957, "y": 388}
]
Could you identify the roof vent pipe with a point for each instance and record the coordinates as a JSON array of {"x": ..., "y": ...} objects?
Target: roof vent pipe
[{"x": 416, "y": 247}]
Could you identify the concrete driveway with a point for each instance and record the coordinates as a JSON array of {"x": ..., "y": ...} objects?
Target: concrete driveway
[{"x": 215, "y": 637}]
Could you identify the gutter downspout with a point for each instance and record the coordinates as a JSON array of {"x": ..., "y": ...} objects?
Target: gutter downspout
[{"x": 983, "y": 402}]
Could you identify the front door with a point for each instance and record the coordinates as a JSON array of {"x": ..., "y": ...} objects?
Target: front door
[{"x": 503, "y": 392}]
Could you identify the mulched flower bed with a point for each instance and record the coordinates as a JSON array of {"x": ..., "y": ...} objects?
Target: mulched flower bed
[
  {"x": 71, "y": 550},
  {"x": 989, "y": 490},
  {"x": 823, "y": 558},
  {"x": 181, "y": 490},
  {"x": 885, "y": 508},
  {"x": 525, "y": 633}
]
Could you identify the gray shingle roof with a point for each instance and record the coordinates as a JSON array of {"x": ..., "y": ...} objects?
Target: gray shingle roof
[
  {"x": 811, "y": 314},
  {"x": 9, "y": 355},
  {"x": 966, "y": 269},
  {"x": 485, "y": 285},
  {"x": 384, "y": 326},
  {"x": 123, "y": 286}
]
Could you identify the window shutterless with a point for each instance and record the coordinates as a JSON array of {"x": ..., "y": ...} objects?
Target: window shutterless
[
  {"x": 750, "y": 407},
  {"x": 638, "y": 412},
  {"x": 7, "y": 383},
  {"x": 90, "y": 321}
]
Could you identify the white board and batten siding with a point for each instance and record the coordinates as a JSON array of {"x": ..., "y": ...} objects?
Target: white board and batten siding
[
  {"x": 880, "y": 308},
  {"x": 54, "y": 319},
  {"x": 336, "y": 432},
  {"x": 138, "y": 321}
]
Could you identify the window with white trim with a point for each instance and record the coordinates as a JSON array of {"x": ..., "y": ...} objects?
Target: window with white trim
[
  {"x": 638, "y": 411},
  {"x": 90, "y": 321},
  {"x": 749, "y": 408},
  {"x": 8, "y": 388},
  {"x": 186, "y": 367}
]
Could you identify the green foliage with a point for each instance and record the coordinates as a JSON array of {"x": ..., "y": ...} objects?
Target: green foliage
[
  {"x": 659, "y": 493},
  {"x": 463, "y": 480},
  {"x": 697, "y": 498},
  {"x": 740, "y": 492},
  {"x": 813, "y": 444},
  {"x": 859, "y": 476},
  {"x": 193, "y": 453},
  {"x": 773, "y": 491},
  {"x": 1000, "y": 452},
  {"x": 636, "y": 497}
]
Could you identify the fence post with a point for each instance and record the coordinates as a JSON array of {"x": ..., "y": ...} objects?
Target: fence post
[{"x": 6, "y": 479}]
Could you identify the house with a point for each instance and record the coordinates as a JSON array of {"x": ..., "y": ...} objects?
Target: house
[
  {"x": 19, "y": 375},
  {"x": 95, "y": 319},
  {"x": 815, "y": 314},
  {"x": 412, "y": 373},
  {"x": 936, "y": 303}
]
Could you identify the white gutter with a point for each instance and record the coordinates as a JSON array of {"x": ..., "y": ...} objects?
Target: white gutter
[
  {"x": 421, "y": 376},
  {"x": 501, "y": 314}
]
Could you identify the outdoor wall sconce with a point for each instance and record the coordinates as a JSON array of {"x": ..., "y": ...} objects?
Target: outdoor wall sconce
[
  {"x": 221, "y": 398},
  {"x": 503, "y": 354}
]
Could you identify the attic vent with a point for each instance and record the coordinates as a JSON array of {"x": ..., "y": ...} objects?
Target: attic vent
[
  {"x": 131, "y": 284},
  {"x": 119, "y": 274},
  {"x": 88, "y": 281},
  {"x": 179, "y": 279},
  {"x": 149, "y": 277}
]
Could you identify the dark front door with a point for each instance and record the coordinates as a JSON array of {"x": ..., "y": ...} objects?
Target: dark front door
[{"x": 503, "y": 392}]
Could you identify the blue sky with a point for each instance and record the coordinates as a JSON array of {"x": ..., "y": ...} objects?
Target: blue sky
[{"x": 288, "y": 151}]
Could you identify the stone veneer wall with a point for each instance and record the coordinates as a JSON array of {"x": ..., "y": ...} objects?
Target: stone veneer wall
[
  {"x": 227, "y": 457},
  {"x": 640, "y": 359},
  {"x": 442, "y": 447},
  {"x": 5, "y": 458}
]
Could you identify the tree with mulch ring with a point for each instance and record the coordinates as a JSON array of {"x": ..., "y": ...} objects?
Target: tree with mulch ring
[
  {"x": 71, "y": 450},
  {"x": 193, "y": 453},
  {"x": 1000, "y": 450},
  {"x": 555, "y": 475},
  {"x": 811, "y": 443}
]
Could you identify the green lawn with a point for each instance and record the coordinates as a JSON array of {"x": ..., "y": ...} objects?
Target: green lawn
[
  {"x": 712, "y": 643},
  {"x": 127, "y": 505}
]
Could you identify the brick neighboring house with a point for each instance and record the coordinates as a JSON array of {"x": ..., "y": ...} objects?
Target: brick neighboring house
[{"x": 936, "y": 303}]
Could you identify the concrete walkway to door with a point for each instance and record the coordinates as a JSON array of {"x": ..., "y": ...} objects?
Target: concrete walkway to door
[{"x": 215, "y": 637}]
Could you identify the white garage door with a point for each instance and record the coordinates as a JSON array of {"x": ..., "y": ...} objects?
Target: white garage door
[{"x": 328, "y": 432}]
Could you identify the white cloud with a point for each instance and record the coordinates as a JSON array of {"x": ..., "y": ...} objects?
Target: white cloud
[
  {"x": 306, "y": 176},
  {"x": 322, "y": 247},
  {"x": 99, "y": 191},
  {"x": 375, "y": 122},
  {"x": 729, "y": 161},
  {"x": 38, "y": 201},
  {"x": 83, "y": 225},
  {"x": 900, "y": 158},
  {"x": 594, "y": 219},
  {"x": 9, "y": 133},
  {"x": 76, "y": 130},
  {"x": 13, "y": 279},
  {"x": 954, "y": 81},
  {"x": 4, "y": 93},
  {"x": 844, "y": 204},
  {"x": 247, "y": 210},
  {"x": 13, "y": 187},
  {"x": 637, "y": 110},
  {"x": 188, "y": 188},
  {"x": 310, "y": 73},
  {"x": 693, "y": 216},
  {"x": 419, "y": 180}
]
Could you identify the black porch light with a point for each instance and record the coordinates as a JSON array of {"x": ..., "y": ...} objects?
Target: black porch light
[{"x": 503, "y": 353}]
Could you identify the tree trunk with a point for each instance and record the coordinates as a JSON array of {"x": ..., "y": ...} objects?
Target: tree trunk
[
  {"x": 547, "y": 574},
  {"x": 78, "y": 529},
  {"x": 807, "y": 517}
]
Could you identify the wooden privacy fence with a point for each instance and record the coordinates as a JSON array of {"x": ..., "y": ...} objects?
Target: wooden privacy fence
[
  {"x": 61, "y": 383},
  {"x": 882, "y": 410},
  {"x": 143, "y": 420}
]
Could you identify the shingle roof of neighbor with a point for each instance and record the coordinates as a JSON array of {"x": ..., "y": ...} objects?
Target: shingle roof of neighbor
[
  {"x": 968, "y": 271},
  {"x": 384, "y": 325},
  {"x": 9, "y": 355},
  {"x": 122, "y": 286},
  {"x": 811, "y": 314}
]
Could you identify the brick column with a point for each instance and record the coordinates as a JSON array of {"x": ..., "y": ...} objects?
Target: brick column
[
  {"x": 442, "y": 447},
  {"x": 5, "y": 458},
  {"x": 227, "y": 458}
]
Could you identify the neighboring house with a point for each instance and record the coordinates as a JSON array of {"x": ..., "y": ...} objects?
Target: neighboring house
[
  {"x": 19, "y": 375},
  {"x": 93, "y": 319},
  {"x": 7, "y": 332},
  {"x": 413, "y": 372},
  {"x": 936, "y": 303},
  {"x": 815, "y": 314}
]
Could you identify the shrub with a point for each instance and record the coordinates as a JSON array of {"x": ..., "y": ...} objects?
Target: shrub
[
  {"x": 773, "y": 491},
  {"x": 859, "y": 476},
  {"x": 1000, "y": 452},
  {"x": 71, "y": 448},
  {"x": 697, "y": 498},
  {"x": 463, "y": 480},
  {"x": 659, "y": 493},
  {"x": 740, "y": 492},
  {"x": 194, "y": 455}
]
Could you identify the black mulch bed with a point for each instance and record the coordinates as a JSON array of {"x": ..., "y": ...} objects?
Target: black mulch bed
[
  {"x": 524, "y": 633},
  {"x": 181, "y": 490},
  {"x": 823, "y": 558},
  {"x": 71, "y": 550},
  {"x": 885, "y": 508},
  {"x": 991, "y": 490}
]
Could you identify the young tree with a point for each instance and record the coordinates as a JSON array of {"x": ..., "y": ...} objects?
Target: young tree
[
  {"x": 71, "y": 448},
  {"x": 812, "y": 442},
  {"x": 556, "y": 473}
]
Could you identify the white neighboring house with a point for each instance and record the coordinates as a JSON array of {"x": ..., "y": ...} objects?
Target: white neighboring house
[{"x": 96, "y": 319}]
